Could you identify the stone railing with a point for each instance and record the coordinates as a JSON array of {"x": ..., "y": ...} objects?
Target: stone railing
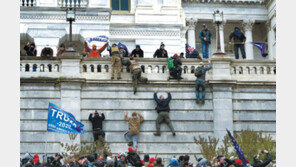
[
  {"x": 73, "y": 3},
  {"x": 153, "y": 69},
  {"x": 27, "y": 2}
]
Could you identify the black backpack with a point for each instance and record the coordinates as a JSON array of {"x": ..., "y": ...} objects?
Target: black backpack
[
  {"x": 134, "y": 159},
  {"x": 198, "y": 72}
]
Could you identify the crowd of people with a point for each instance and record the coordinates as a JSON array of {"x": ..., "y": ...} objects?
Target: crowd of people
[{"x": 132, "y": 158}]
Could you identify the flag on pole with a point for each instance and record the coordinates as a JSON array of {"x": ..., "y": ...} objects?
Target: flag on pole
[
  {"x": 61, "y": 121},
  {"x": 237, "y": 148},
  {"x": 122, "y": 45},
  {"x": 261, "y": 47}
]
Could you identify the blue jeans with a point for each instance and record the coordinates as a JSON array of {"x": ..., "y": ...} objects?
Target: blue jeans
[
  {"x": 131, "y": 138},
  {"x": 205, "y": 50},
  {"x": 202, "y": 85}
]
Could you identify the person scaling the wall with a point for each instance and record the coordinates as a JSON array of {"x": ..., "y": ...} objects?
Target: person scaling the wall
[
  {"x": 134, "y": 128},
  {"x": 200, "y": 73},
  {"x": 163, "y": 110},
  {"x": 136, "y": 72},
  {"x": 97, "y": 124},
  {"x": 175, "y": 69}
]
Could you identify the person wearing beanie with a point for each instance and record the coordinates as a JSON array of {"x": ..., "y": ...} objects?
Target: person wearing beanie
[
  {"x": 134, "y": 128},
  {"x": 176, "y": 72},
  {"x": 161, "y": 52},
  {"x": 239, "y": 40},
  {"x": 173, "y": 163},
  {"x": 46, "y": 52},
  {"x": 163, "y": 110},
  {"x": 115, "y": 61},
  {"x": 205, "y": 36},
  {"x": 200, "y": 73},
  {"x": 97, "y": 124},
  {"x": 97, "y": 53},
  {"x": 136, "y": 72},
  {"x": 133, "y": 159},
  {"x": 138, "y": 52},
  {"x": 123, "y": 161}
]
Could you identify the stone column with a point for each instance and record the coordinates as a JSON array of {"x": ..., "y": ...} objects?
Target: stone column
[
  {"x": 248, "y": 26},
  {"x": 71, "y": 87},
  {"x": 191, "y": 31},
  {"x": 221, "y": 31},
  {"x": 269, "y": 40},
  {"x": 222, "y": 96}
]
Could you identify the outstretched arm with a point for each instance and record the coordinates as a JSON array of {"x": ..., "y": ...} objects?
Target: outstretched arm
[
  {"x": 155, "y": 97},
  {"x": 169, "y": 96},
  {"x": 125, "y": 116},
  {"x": 141, "y": 117},
  {"x": 90, "y": 116},
  {"x": 103, "y": 47},
  {"x": 103, "y": 116}
]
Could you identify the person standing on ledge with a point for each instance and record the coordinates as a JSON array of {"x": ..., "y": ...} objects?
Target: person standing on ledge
[
  {"x": 205, "y": 36},
  {"x": 163, "y": 110},
  {"x": 97, "y": 53},
  {"x": 115, "y": 60},
  {"x": 97, "y": 124},
  {"x": 134, "y": 128},
  {"x": 239, "y": 40},
  {"x": 200, "y": 73},
  {"x": 161, "y": 52}
]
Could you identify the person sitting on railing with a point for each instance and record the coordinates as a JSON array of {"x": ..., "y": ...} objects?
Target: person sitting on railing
[
  {"x": 200, "y": 73},
  {"x": 47, "y": 52},
  {"x": 61, "y": 49},
  {"x": 138, "y": 52},
  {"x": 136, "y": 73},
  {"x": 176, "y": 72},
  {"x": 115, "y": 60},
  {"x": 193, "y": 53},
  {"x": 86, "y": 50},
  {"x": 97, "y": 53},
  {"x": 124, "y": 62},
  {"x": 30, "y": 49},
  {"x": 161, "y": 52},
  {"x": 239, "y": 40}
]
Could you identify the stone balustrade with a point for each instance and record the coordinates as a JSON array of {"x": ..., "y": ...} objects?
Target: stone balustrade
[
  {"x": 27, "y": 2},
  {"x": 154, "y": 69}
]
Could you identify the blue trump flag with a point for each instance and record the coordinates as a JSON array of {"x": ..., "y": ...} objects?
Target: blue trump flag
[
  {"x": 101, "y": 38},
  {"x": 238, "y": 150},
  {"x": 261, "y": 47},
  {"x": 61, "y": 121}
]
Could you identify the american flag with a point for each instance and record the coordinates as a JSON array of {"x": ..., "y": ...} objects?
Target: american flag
[{"x": 238, "y": 150}]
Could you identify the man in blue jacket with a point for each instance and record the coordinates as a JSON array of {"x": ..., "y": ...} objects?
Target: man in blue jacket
[
  {"x": 163, "y": 110},
  {"x": 200, "y": 73},
  {"x": 205, "y": 36}
]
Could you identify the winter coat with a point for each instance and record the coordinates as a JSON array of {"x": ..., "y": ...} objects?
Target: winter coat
[
  {"x": 97, "y": 121},
  {"x": 139, "y": 52},
  {"x": 205, "y": 34},
  {"x": 134, "y": 65},
  {"x": 264, "y": 163},
  {"x": 37, "y": 165},
  {"x": 47, "y": 52},
  {"x": 97, "y": 53},
  {"x": 134, "y": 159},
  {"x": 160, "y": 53},
  {"x": 30, "y": 51},
  {"x": 134, "y": 124},
  {"x": 177, "y": 61},
  {"x": 162, "y": 105},
  {"x": 236, "y": 39},
  {"x": 204, "y": 70}
]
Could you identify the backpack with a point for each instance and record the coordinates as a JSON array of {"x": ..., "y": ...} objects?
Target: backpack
[
  {"x": 198, "y": 72},
  {"x": 134, "y": 159},
  {"x": 170, "y": 63}
]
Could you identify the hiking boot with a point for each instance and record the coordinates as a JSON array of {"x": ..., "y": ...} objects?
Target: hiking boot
[
  {"x": 174, "y": 134},
  {"x": 118, "y": 78},
  {"x": 202, "y": 101},
  {"x": 130, "y": 143},
  {"x": 156, "y": 134},
  {"x": 112, "y": 78},
  {"x": 197, "y": 101}
]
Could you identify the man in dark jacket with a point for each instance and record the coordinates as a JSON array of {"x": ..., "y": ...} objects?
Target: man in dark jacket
[
  {"x": 200, "y": 73},
  {"x": 205, "y": 36},
  {"x": 239, "y": 40},
  {"x": 47, "y": 52},
  {"x": 175, "y": 73},
  {"x": 138, "y": 52},
  {"x": 30, "y": 49},
  {"x": 163, "y": 110},
  {"x": 161, "y": 52},
  {"x": 97, "y": 124},
  {"x": 133, "y": 159},
  {"x": 258, "y": 163}
]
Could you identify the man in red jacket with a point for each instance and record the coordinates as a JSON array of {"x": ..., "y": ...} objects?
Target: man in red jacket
[{"x": 97, "y": 53}]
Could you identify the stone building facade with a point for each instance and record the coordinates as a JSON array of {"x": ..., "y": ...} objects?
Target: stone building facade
[{"x": 150, "y": 22}]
